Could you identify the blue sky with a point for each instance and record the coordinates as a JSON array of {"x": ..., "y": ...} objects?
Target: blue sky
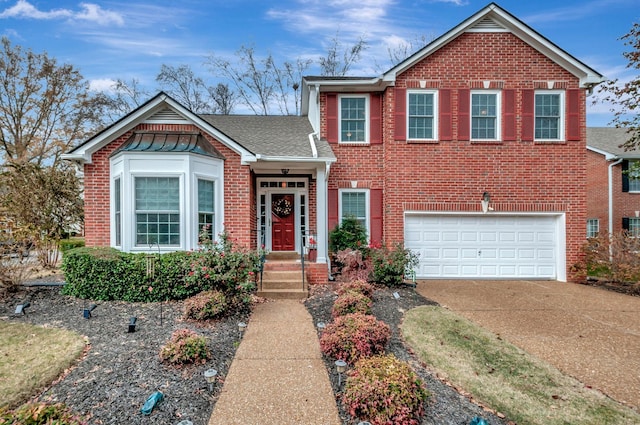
[{"x": 106, "y": 40}]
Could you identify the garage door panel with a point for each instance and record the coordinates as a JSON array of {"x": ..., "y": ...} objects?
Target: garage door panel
[{"x": 489, "y": 246}]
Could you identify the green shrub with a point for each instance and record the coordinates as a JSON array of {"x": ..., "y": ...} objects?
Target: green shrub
[
  {"x": 40, "y": 414},
  {"x": 384, "y": 390},
  {"x": 206, "y": 305},
  {"x": 351, "y": 302},
  {"x": 185, "y": 346},
  {"x": 72, "y": 243},
  {"x": 389, "y": 265},
  {"x": 359, "y": 286},
  {"x": 108, "y": 274},
  {"x": 353, "y": 336},
  {"x": 351, "y": 233}
]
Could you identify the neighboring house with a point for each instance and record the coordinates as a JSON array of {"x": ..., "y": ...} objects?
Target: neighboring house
[
  {"x": 613, "y": 194},
  {"x": 460, "y": 152}
]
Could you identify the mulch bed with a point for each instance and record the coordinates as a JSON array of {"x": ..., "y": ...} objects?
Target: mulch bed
[
  {"x": 122, "y": 369},
  {"x": 445, "y": 406}
]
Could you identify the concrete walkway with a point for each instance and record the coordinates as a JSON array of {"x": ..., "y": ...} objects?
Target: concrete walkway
[
  {"x": 277, "y": 375},
  {"x": 586, "y": 332}
]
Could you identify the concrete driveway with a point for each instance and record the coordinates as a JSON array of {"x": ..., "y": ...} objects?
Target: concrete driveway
[{"x": 586, "y": 332}]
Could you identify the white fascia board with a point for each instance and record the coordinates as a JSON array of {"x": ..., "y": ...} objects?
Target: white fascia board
[
  {"x": 293, "y": 159},
  {"x": 607, "y": 155}
]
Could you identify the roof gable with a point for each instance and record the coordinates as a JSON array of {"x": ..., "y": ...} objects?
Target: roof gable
[
  {"x": 162, "y": 108},
  {"x": 493, "y": 18}
]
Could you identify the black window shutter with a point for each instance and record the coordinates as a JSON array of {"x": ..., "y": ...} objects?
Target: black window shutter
[
  {"x": 625, "y": 176},
  {"x": 625, "y": 223}
]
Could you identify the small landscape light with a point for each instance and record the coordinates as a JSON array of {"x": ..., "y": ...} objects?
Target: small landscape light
[
  {"x": 87, "y": 311},
  {"x": 341, "y": 366},
  {"x": 210, "y": 377},
  {"x": 321, "y": 326},
  {"x": 132, "y": 324},
  {"x": 242, "y": 327},
  {"x": 364, "y": 423},
  {"x": 21, "y": 308},
  {"x": 185, "y": 422}
]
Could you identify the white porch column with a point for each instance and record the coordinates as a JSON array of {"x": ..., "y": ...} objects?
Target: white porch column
[{"x": 321, "y": 213}]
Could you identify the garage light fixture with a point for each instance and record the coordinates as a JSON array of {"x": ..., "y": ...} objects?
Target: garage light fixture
[{"x": 484, "y": 202}]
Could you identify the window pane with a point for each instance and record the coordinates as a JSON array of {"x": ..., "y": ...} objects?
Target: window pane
[
  {"x": 157, "y": 210},
  {"x": 547, "y": 120},
  {"x": 205, "y": 207},
  {"x": 421, "y": 111},
  {"x": 634, "y": 227},
  {"x": 593, "y": 227},
  {"x": 484, "y": 115},
  {"x": 353, "y": 119},
  {"x": 354, "y": 205},
  {"x": 118, "y": 211}
]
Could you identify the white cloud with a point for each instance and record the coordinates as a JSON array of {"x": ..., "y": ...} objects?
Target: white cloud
[
  {"x": 94, "y": 13},
  {"x": 102, "y": 85},
  {"x": 89, "y": 12}
]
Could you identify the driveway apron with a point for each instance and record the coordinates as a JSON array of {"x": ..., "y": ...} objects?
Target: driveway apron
[
  {"x": 589, "y": 333},
  {"x": 277, "y": 375}
]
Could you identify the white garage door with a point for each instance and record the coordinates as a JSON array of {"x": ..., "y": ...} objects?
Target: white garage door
[{"x": 483, "y": 246}]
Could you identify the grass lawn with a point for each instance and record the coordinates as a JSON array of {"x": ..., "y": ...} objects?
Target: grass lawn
[
  {"x": 31, "y": 357},
  {"x": 503, "y": 377}
]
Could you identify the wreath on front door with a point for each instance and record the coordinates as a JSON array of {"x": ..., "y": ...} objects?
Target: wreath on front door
[{"x": 282, "y": 207}]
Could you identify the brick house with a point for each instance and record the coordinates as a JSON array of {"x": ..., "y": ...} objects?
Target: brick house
[
  {"x": 460, "y": 152},
  {"x": 613, "y": 196}
]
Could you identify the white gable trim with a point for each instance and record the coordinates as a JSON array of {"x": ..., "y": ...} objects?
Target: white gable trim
[
  {"x": 501, "y": 18},
  {"x": 153, "y": 111}
]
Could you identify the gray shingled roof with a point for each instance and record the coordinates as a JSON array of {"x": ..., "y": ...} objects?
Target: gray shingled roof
[
  {"x": 609, "y": 139},
  {"x": 271, "y": 135}
]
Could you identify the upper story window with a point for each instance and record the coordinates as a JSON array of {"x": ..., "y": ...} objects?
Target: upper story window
[
  {"x": 633, "y": 175},
  {"x": 485, "y": 120},
  {"x": 353, "y": 114},
  {"x": 549, "y": 115},
  {"x": 422, "y": 115}
]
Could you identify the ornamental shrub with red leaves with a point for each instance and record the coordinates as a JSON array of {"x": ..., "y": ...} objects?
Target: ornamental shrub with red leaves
[
  {"x": 353, "y": 336},
  {"x": 384, "y": 391},
  {"x": 206, "y": 305},
  {"x": 351, "y": 302},
  {"x": 357, "y": 285},
  {"x": 185, "y": 346}
]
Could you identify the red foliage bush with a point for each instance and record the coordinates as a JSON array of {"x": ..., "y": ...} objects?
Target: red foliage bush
[
  {"x": 384, "y": 390},
  {"x": 206, "y": 305},
  {"x": 357, "y": 285},
  {"x": 351, "y": 302},
  {"x": 353, "y": 336},
  {"x": 185, "y": 346}
]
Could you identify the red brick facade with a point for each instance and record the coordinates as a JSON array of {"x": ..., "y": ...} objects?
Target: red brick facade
[
  {"x": 451, "y": 175},
  {"x": 625, "y": 204}
]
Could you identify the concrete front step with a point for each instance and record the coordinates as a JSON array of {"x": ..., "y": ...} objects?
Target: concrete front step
[{"x": 283, "y": 294}]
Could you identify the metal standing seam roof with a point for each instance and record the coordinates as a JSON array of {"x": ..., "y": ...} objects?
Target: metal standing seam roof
[
  {"x": 271, "y": 135},
  {"x": 169, "y": 142},
  {"x": 610, "y": 140}
]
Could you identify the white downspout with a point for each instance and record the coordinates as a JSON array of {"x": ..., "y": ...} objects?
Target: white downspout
[{"x": 610, "y": 178}]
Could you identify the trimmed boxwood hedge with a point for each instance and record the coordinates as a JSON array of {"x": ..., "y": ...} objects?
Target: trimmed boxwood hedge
[{"x": 107, "y": 274}]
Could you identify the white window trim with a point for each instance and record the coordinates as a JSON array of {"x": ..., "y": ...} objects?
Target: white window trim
[
  {"x": 189, "y": 168},
  {"x": 367, "y": 207},
  {"x": 498, "y": 94},
  {"x": 597, "y": 223},
  {"x": 112, "y": 197},
  {"x": 631, "y": 178},
  {"x": 561, "y": 134},
  {"x": 367, "y": 118},
  {"x": 436, "y": 112},
  {"x": 181, "y": 211},
  {"x": 196, "y": 211}
]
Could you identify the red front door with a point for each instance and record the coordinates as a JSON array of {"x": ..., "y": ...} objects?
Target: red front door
[{"x": 282, "y": 222}]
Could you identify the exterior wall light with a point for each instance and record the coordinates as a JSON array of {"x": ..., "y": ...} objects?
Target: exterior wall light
[{"x": 484, "y": 202}]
